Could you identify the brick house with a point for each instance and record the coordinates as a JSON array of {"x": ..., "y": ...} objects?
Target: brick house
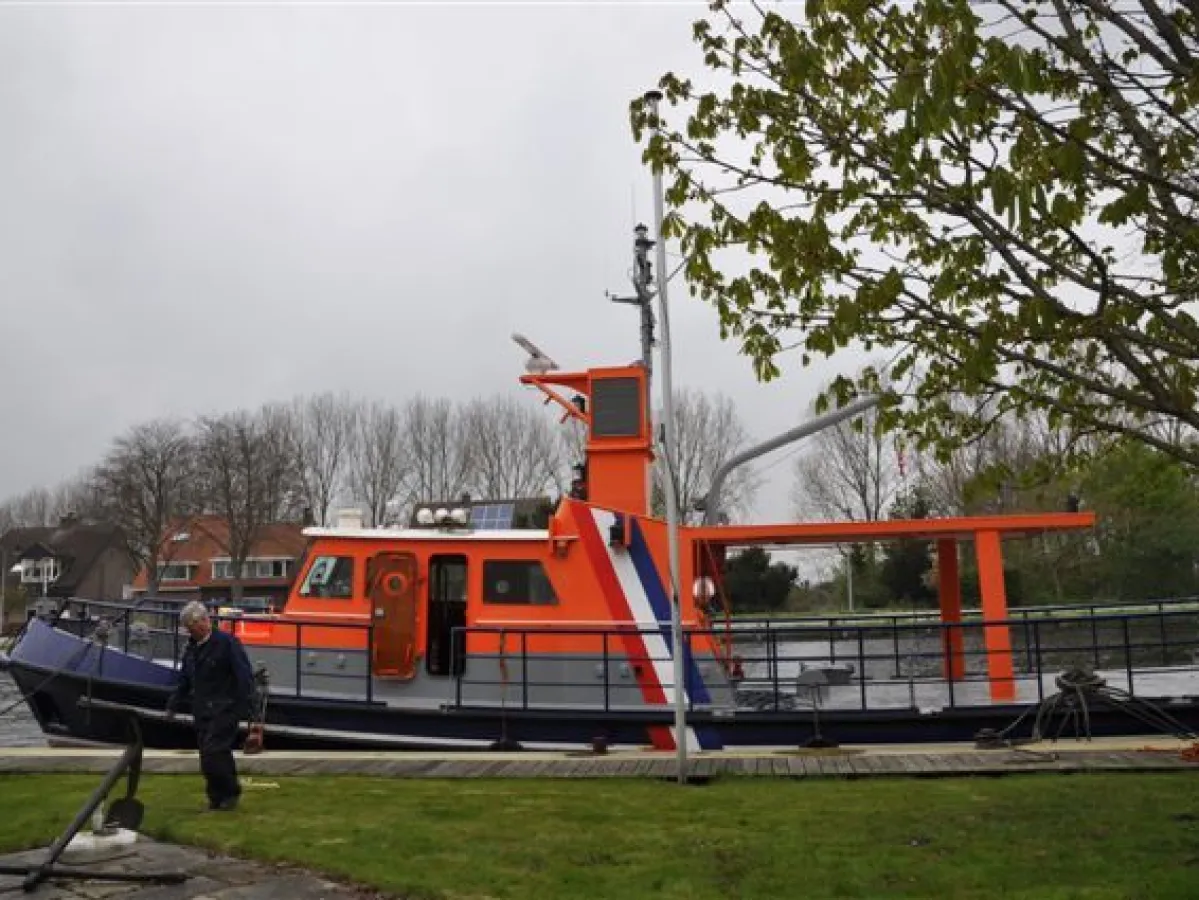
[{"x": 194, "y": 564}]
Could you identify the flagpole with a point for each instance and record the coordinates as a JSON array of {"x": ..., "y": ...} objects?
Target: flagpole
[{"x": 672, "y": 510}]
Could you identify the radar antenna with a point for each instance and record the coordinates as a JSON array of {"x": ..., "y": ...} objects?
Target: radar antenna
[{"x": 538, "y": 362}]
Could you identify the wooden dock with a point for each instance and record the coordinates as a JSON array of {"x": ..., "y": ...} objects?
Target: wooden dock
[{"x": 923, "y": 761}]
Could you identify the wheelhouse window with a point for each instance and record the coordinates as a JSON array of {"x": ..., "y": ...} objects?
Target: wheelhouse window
[
  {"x": 329, "y": 576},
  {"x": 517, "y": 582}
]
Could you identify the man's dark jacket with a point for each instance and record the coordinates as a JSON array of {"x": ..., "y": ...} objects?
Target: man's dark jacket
[{"x": 216, "y": 675}]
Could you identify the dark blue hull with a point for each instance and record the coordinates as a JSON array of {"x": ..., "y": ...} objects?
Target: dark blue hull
[{"x": 55, "y": 671}]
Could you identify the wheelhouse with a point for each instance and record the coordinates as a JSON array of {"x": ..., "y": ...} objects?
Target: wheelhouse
[{"x": 414, "y": 592}]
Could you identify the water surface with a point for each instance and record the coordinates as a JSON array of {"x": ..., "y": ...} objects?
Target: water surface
[{"x": 17, "y": 726}]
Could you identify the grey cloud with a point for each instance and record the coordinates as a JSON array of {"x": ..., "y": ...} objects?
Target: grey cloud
[{"x": 210, "y": 207}]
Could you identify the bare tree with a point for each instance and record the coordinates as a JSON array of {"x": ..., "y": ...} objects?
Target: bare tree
[
  {"x": 439, "y": 450},
  {"x": 514, "y": 452},
  {"x": 1007, "y": 467},
  {"x": 321, "y": 429},
  {"x": 377, "y": 458},
  {"x": 146, "y": 481},
  {"x": 708, "y": 432},
  {"x": 571, "y": 450},
  {"x": 79, "y": 498},
  {"x": 33, "y": 508},
  {"x": 248, "y": 474},
  {"x": 283, "y": 498},
  {"x": 851, "y": 471}
]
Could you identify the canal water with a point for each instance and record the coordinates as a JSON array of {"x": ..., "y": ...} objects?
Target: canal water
[{"x": 17, "y": 726}]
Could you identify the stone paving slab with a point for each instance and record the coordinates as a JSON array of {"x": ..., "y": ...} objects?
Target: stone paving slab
[{"x": 211, "y": 877}]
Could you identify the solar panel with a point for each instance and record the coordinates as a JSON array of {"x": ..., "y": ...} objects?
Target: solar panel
[{"x": 492, "y": 516}]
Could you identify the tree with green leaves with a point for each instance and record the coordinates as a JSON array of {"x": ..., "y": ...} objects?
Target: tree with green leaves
[
  {"x": 1146, "y": 542},
  {"x": 906, "y": 562},
  {"x": 999, "y": 195},
  {"x": 755, "y": 584}
]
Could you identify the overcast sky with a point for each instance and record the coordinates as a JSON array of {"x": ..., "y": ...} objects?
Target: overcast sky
[{"x": 204, "y": 208}]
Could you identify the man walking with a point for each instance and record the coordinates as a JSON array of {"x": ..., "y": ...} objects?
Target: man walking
[{"x": 216, "y": 675}]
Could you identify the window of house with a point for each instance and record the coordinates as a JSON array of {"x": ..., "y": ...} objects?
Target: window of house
[
  {"x": 41, "y": 570},
  {"x": 521, "y": 582},
  {"x": 222, "y": 569},
  {"x": 329, "y": 576},
  {"x": 176, "y": 571}
]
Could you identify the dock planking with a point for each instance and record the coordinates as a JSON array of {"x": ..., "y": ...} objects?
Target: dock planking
[{"x": 788, "y": 764}]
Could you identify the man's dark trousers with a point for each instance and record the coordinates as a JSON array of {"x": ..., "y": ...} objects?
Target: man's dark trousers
[
  {"x": 216, "y": 675},
  {"x": 216, "y": 732}
]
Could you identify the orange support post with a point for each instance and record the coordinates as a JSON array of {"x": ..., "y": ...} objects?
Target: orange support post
[
  {"x": 950, "y": 595},
  {"x": 994, "y": 608}
]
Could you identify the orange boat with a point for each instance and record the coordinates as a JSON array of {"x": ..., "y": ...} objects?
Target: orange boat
[{"x": 469, "y": 628}]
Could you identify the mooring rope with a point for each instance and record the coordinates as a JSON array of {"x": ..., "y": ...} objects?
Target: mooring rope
[{"x": 1079, "y": 690}]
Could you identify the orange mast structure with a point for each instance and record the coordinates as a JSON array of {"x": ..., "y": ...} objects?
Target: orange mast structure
[{"x": 612, "y": 404}]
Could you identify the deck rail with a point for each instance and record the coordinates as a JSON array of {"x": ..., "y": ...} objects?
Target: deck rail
[
  {"x": 1057, "y": 610},
  {"x": 784, "y": 665},
  {"x": 885, "y": 665},
  {"x": 153, "y": 632}
]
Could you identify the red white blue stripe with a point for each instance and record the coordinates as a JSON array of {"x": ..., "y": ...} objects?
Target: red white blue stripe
[{"x": 636, "y": 594}]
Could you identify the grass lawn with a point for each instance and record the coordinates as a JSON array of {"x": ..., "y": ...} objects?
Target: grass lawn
[{"x": 1024, "y": 836}]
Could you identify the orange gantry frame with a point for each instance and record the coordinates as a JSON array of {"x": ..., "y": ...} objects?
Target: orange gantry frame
[
  {"x": 612, "y": 405},
  {"x": 985, "y": 532}
]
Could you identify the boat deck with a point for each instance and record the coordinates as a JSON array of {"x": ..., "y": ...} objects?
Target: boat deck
[
  {"x": 1162, "y": 684},
  {"x": 1137, "y": 754}
]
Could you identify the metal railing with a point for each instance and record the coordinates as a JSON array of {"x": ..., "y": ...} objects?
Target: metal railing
[
  {"x": 885, "y": 665},
  {"x": 888, "y": 664},
  {"x": 153, "y": 633},
  {"x": 751, "y": 621},
  {"x": 521, "y": 649}
]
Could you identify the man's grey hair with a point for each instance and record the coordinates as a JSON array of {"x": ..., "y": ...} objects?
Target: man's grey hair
[{"x": 193, "y": 612}]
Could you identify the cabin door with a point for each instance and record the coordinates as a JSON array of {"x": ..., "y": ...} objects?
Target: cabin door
[
  {"x": 391, "y": 580},
  {"x": 447, "y": 611}
]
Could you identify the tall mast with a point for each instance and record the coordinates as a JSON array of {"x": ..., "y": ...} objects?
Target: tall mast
[{"x": 643, "y": 284}]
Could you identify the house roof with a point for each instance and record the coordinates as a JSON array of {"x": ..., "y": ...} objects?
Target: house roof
[
  {"x": 274, "y": 539},
  {"x": 204, "y": 538},
  {"x": 75, "y": 544},
  {"x": 38, "y": 550}
]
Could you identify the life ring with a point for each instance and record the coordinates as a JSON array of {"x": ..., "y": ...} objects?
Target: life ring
[{"x": 392, "y": 585}]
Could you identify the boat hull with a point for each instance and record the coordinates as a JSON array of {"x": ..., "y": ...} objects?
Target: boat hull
[{"x": 55, "y": 695}]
